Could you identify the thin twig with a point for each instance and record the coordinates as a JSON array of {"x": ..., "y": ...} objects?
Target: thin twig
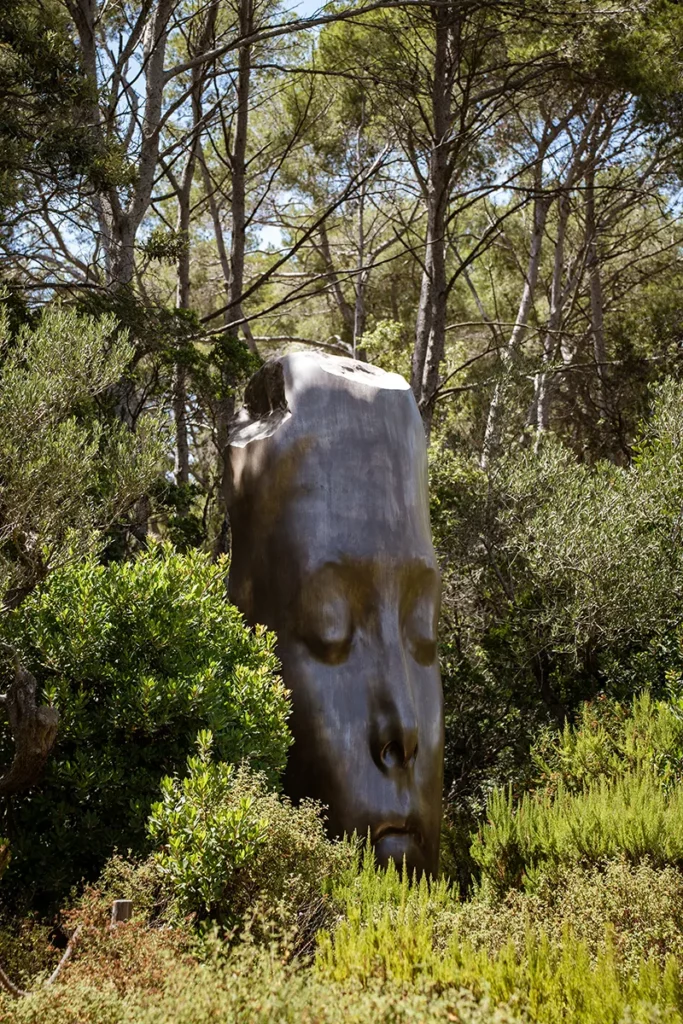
[
  {"x": 10, "y": 987},
  {"x": 65, "y": 959},
  {"x": 18, "y": 993}
]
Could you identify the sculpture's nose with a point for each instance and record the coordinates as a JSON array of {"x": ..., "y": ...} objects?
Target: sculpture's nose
[{"x": 394, "y": 732}]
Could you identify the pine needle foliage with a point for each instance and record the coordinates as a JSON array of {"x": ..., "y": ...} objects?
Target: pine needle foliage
[
  {"x": 389, "y": 926},
  {"x": 610, "y": 738},
  {"x": 609, "y": 786},
  {"x": 411, "y": 937},
  {"x": 634, "y": 816}
]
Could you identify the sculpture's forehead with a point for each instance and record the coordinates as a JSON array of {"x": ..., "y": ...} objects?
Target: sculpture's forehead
[
  {"x": 337, "y": 463},
  {"x": 329, "y": 398},
  {"x": 367, "y": 502}
]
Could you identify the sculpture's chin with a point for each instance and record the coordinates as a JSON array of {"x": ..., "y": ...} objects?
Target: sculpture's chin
[{"x": 402, "y": 847}]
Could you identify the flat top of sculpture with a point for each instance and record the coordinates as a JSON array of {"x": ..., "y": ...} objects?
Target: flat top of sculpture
[{"x": 291, "y": 382}]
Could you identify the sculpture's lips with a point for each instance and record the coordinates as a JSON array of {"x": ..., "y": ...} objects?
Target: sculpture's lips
[{"x": 396, "y": 830}]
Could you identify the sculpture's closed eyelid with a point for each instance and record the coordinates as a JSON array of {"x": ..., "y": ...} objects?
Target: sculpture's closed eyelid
[
  {"x": 326, "y": 624},
  {"x": 420, "y": 616}
]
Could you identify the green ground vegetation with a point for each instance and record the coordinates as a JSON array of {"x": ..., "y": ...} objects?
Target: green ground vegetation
[{"x": 139, "y": 657}]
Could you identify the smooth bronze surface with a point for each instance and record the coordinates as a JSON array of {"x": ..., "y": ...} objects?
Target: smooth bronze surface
[{"x": 332, "y": 549}]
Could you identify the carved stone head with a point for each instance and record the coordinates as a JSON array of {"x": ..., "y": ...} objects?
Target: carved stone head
[{"x": 332, "y": 550}]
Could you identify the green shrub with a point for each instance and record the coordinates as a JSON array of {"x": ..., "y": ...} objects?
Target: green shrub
[
  {"x": 598, "y": 948},
  {"x": 138, "y": 657},
  {"x": 231, "y": 847},
  {"x": 416, "y": 938},
  {"x": 637, "y": 909},
  {"x": 562, "y": 580},
  {"x": 68, "y": 472},
  {"x": 546, "y": 984},
  {"x": 634, "y": 816},
  {"x": 390, "y": 927},
  {"x": 129, "y": 878},
  {"x": 26, "y": 951},
  {"x": 609, "y": 786},
  {"x": 250, "y": 986},
  {"x": 609, "y": 739}
]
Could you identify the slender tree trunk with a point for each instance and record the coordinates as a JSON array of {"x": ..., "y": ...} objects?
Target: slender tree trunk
[
  {"x": 361, "y": 276},
  {"x": 107, "y": 207},
  {"x": 510, "y": 353},
  {"x": 182, "y": 450},
  {"x": 423, "y": 324},
  {"x": 552, "y": 342},
  {"x": 431, "y": 316},
  {"x": 436, "y": 341},
  {"x": 239, "y": 167},
  {"x": 542, "y": 203},
  {"x": 215, "y": 212},
  {"x": 154, "y": 56},
  {"x": 595, "y": 288},
  {"x": 224, "y": 414},
  {"x": 541, "y": 407},
  {"x": 345, "y": 308}
]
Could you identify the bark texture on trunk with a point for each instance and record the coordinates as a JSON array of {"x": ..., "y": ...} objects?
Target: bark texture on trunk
[
  {"x": 595, "y": 289},
  {"x": 236, "y": 151},
  {"x": 582, "y": 162},
  {"x": 215, "y": 212},
  {"x": 182, "y": 451},
  {"x": 361, "y": 272},
  {"x": 239, "y": 166},
  {"x": 34, "y": 731},
  {"x": 347, "y": 311},
  {"x": 361, "y": 275},
  {"x": 224, "y": 415},
  {"x": 541, "y": 406},
  {"x": 183, "y": 224}
]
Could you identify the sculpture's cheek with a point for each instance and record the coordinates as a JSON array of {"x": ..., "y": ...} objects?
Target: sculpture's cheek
[{"x": 330, "y": 701}]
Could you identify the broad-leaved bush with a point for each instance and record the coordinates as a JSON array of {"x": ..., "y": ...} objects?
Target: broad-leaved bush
[
  {"x": 138, "y": 657},
  {"x": 228, "y": 846}
]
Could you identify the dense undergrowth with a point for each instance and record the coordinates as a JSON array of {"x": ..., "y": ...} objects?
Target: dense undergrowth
[
  {"x": 562, "y": 581},
  {"x": 281, "y": 924},
  {"x": 138, "y": 657}
]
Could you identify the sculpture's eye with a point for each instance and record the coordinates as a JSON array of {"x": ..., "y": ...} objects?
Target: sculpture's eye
[
  {"x": 327, "y": 626},
  {"x": 420, "y": 618}
]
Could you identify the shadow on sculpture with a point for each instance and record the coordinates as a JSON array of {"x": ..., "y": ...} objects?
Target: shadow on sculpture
[{"x": 332, "y": 550}]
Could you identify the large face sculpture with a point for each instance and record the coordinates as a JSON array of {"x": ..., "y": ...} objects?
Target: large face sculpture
[{"x": 332, "y": 549}]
